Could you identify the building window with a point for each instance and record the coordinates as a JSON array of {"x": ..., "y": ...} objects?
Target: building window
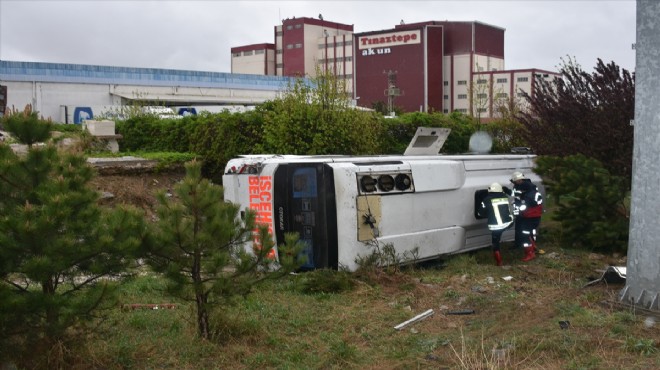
[
  {"x": 236, "y": 55},
  {"x": 502, "y": 80},
  {"x": 289, "y": 27},
  {"x": 445, "y": 111},
  {"x": 298, "y": 26},
  {"x": 481, "y": 82},
  {"x": 446, "y": 97},
  {"x": 289, "y": 46},
  {"x": 348, "y": 59},
  {"x": 521, "y": 95},
  {"x": 257, "y": 52},
  {"x": 523, "y": 79},
  {"x": 462, "y": 96},
  {"x": 280, "y": 65},
  {"x": 462, "y": 110},
  {"x": 279, "y": 51},
  {"x": 348, "y": 43},
  {"x": 462, "y": 82},
  {"x": 248, "y": 52},
  {"x": 482, "y": 96},
  {"x": 278, "y": 33},
  {"x": 298, "y": 46},
  {"x": 446, "y": 83},
  {"x": 502, "y": 95},
  {"x": 481, "y": 110}
]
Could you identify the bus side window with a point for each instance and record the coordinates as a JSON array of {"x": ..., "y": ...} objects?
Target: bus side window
[{"x": 479, "y": 196}]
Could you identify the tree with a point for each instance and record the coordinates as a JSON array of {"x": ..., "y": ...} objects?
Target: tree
[
  {"x": 315, "y": 117},
  {"x": 507, "y": 132},
  {"x": 591, "y": 203},
  {"x": 479, "y": 92},
  {"x": 200, "y": 248},
  {"x": 583, "y": 113},
  {"x": 57, "y": 245}
]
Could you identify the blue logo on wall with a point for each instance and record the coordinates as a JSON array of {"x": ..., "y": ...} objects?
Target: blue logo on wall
[
  {"x": 187, "y": 111},
  {"x": 82, "y": 113}
]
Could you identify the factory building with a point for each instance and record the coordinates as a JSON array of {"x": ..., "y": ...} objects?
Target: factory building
[
  {"x": 302, "y": 44},
  {"x": 258, "y": 59},
  {"x": 433, "y": 66}
]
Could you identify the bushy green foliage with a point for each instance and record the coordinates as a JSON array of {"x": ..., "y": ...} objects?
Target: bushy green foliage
[
  {"x": 200, "y": 247},
  {"x": 57, "y": 247},
  {"x": 223, "y": 136},
  {"x": 315, "y": 118},
  {"x": 506, "y": 134},
  {"x": 399, "y": 131},
  {"x": 147, "y": 132},
  {"x": 591, "y": 202},
  {"x": 327, "y": 281},
  {"x": 396, "y": 135},
  {"x": 67, "y": 128},
  {"x": 462, "y": 127}
]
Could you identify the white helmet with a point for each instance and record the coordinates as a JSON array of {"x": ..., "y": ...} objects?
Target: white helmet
[
  {"x": 495, "y": 188},
  {"x": 517, "y": 176}
]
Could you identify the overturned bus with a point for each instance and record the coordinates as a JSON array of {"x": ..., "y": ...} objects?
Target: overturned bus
[{"x": 342, "y": 206}]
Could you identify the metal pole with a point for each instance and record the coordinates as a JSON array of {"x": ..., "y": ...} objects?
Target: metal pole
[{"x": 643, "y": 267}]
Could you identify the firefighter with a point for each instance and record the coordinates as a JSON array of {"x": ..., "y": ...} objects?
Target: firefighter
[
  {"x": 496, "y": 207},
  {"x": 527, "y": 210}
]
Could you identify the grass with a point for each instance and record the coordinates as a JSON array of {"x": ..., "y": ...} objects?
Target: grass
[{"x": 335, "y": 320}]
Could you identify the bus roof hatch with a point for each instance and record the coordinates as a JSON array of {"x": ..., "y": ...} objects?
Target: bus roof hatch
[{"x": 427, "y": 141}]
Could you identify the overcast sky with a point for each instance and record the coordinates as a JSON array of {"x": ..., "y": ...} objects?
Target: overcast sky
[{"x": 198, "y": 35}]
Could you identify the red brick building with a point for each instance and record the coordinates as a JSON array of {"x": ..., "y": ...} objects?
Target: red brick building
[{"x": 433, "y": 66}]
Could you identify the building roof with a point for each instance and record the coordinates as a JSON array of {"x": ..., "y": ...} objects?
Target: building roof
[{"x": 83, "y": 73}]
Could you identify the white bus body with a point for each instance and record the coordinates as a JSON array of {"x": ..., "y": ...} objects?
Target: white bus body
[{"x": 341, "y": 205}]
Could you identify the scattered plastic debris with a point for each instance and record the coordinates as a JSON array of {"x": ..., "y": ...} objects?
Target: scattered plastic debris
[
  {"x": 507, "y": 278},
  {"x": 564, "y": 324},
  {"x": 613, "y": 275},
  {"x": 135, "y": 306},
  {"x": 460, "y": 312},
  {"x": 421, "y": 316},
  {"x": 649, "y": 322}
]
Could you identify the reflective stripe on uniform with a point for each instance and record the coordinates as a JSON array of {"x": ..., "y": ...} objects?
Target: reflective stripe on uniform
[{"x": 501, "y": 224}]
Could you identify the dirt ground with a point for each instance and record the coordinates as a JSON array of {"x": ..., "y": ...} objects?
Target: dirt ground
[{"x": 135, "y": 188}]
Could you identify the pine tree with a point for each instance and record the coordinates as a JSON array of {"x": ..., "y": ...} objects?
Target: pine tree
[
  {"x": 57, "y": 245},
  {"x": 199, "y": 247},
  {"x": 590, "y": 202}
]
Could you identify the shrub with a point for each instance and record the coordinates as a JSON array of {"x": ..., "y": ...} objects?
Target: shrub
[{"x": 591, "y": 203}]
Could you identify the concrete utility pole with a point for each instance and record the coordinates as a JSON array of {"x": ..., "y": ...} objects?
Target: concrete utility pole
[{"x": 643, "y": 270}]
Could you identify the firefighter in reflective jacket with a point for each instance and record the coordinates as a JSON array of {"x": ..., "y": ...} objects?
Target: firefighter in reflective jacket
[
  {"x": 527, "y": 209},
  {"x": 496, "y": 207}
]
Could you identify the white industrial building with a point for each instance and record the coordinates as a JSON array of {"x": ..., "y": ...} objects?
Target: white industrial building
[{"x": 70, "y": 93}]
